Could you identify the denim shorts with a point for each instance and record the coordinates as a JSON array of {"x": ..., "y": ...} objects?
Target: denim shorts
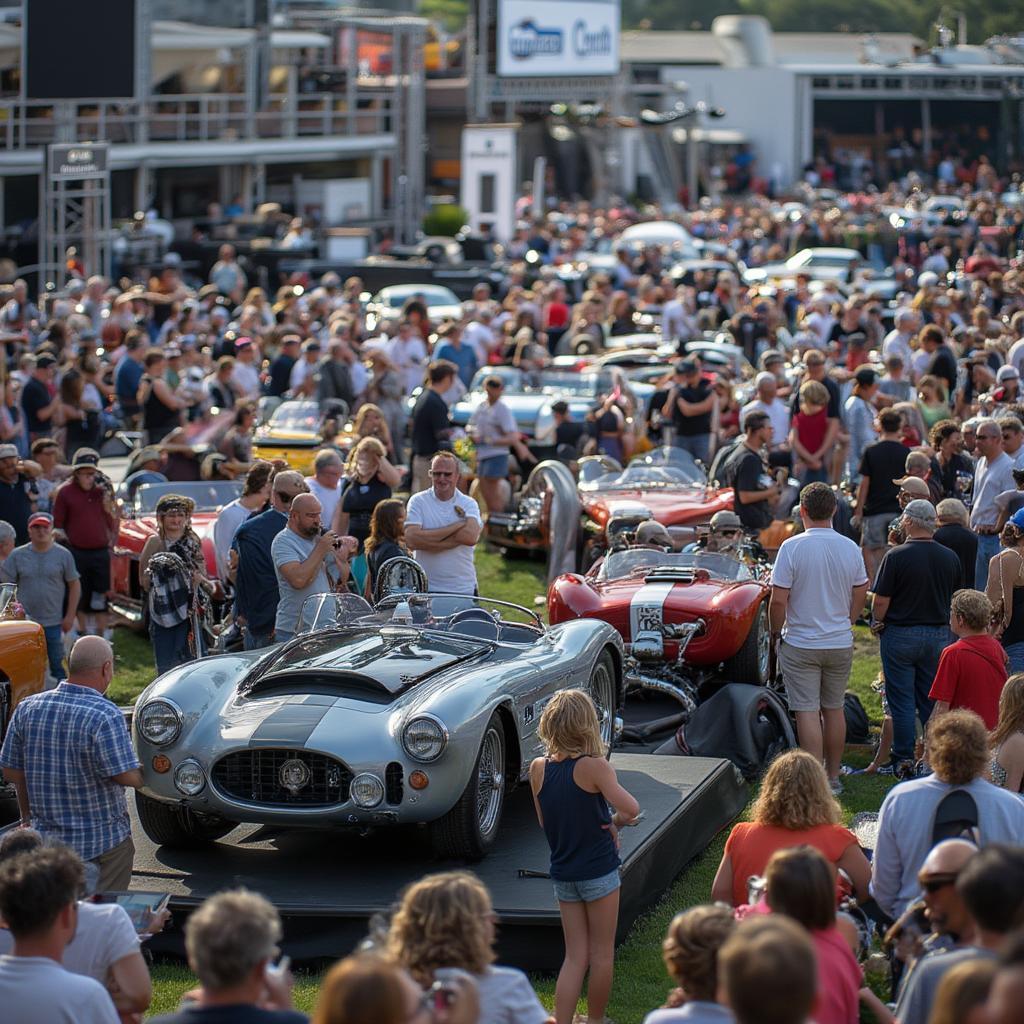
[
  {"x": 494, "y": 467},
  {"x": 589, "y": 890}
]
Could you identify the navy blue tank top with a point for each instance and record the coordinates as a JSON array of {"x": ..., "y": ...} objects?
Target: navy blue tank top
[{"x": 575, "y": 823}]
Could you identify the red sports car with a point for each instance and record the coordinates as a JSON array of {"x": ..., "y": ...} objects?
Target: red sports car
[
  {"x": 138, "y": 523},
  {"x": 695, "y": 627},
  {"x": 665, "y": 484}
]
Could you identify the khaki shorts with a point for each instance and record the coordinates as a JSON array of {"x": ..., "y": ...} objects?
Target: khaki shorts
[
  {"x": 420, "y": 473},
  {"x": 874, "y": 530},
  {"x": 815, "y": 679}
]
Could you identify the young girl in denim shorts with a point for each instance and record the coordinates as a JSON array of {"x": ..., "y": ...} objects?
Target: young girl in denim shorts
[{"x": 573, "y": 786}]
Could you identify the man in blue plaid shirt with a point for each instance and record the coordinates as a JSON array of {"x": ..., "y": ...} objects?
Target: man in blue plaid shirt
[{"x": 68, "y": 755}]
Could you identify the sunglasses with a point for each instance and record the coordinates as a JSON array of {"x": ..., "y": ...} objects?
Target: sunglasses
[
  {"x": 936, "y": 883},
  {"x": 728, "y": 533},
  {"x": 441, "y": 472}
]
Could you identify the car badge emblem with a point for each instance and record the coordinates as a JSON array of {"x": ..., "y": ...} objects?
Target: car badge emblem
[{"x": 294, "y": 775}]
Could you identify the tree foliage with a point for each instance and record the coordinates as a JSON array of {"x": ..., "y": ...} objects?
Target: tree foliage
[
  {"x": 917, "y": 16},
  {"x": 451, "y": 14}
]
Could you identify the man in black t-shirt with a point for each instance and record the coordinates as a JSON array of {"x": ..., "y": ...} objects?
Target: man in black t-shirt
[
  {"x": 17, "y": 493},
  {"x": 754, "y": 491},
  {"x": 689, "y": 405},
  {"x": 36, "y": 401},
  {"x": 431, "y": 427},
  {"x": 878, "y": 493},
  {"x": 953, "y": 533},
  {"x": 913, "y": 593}
]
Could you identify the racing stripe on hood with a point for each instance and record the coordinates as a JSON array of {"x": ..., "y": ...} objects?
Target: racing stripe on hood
[
  {"x": 647, "y": 608},
  {"x": 290, "y": 726}
]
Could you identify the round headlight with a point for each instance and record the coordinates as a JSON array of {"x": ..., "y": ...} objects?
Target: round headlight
[
  {"x": 424, "y": 739},
  {"x": 366, "y": 790},
  {"x": 189, "y": 777},
  {"x": 159, "y": 721}
]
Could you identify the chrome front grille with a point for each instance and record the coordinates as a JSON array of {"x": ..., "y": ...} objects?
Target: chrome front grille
[{"x": 255, "y": 776}]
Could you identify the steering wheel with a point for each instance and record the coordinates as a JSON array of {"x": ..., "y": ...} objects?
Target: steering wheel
[{"x": 469, "y": 614}]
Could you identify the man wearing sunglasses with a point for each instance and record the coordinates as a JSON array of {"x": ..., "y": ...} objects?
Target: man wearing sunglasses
[{"x": 442, "y": 526}]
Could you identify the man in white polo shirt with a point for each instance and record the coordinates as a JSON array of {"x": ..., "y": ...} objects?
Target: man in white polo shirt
[
  {"x": 442, "y": 526},
  {"x": 818, "y": 590}
]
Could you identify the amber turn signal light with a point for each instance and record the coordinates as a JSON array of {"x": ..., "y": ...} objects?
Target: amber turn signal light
[
  {"x": 419, "y": 780},
  {"x": 161, "y": 764}
]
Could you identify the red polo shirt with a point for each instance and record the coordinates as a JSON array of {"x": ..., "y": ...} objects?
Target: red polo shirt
[
  {"x": 80, "y": 514},
  {"x": 971, "y": 675}
]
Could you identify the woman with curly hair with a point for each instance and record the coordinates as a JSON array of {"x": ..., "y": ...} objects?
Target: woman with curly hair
[
  {"x": 795, "y": 808},
  {"x": 1007, "y": 738},
  {"x": 690, "y": 952},
  {"x": 446, "y": 920}
]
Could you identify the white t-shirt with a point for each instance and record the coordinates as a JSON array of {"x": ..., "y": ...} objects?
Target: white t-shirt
[
  {"x": 34, "y": 989},
  {"x": 410, "y": 357},
  {"x": 328, "y": 499},
  {"x": 490, "y": 421},
  {"x": 247, "y": 378},
  {"x": 105, "y": 934},
  {"x": 452, "y": 571},
  {"x": 778, "y": 416},
  {"x": 229, "y": 519},
  {"x": 507, "y": 997},
  {"x": 820, "y": 568}
]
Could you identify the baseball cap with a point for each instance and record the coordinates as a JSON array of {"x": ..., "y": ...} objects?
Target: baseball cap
[
  {"x": 913, "y": 485},
  {"x": 1007, "y": 373},
  {"x": 921, "y": 511},
  {"x": 8, "y": 451},
  {"x": 725, "y": 519},
  {"x": 243, "y": 343},
  {"x": 652, "y": 532},
  {"x": 686, "y": 366},
  {"x": 45, "y": 361},
  {"x": 1018, "y": 519},
  {"x": 85, "y": 458},
  {"x": 40, "y": 517},
  {"x": 311, "y": 345}
]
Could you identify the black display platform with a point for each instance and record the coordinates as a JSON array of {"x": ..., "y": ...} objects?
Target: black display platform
[{"x": 327, "y": 884}]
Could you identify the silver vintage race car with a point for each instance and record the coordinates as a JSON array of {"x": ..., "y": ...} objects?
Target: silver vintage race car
[{"x": 422, "y": 710}]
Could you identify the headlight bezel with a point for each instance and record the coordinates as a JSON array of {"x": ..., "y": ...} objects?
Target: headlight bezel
[
  {"x": 379, "y": 788},
  {"x": 441, "y": 733},
  {"x": 189, "y": 762},
  {"x": 173, "y": 708}
]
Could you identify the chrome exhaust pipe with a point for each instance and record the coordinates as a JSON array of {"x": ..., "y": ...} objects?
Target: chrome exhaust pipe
[{"x": 647, "y": 682}]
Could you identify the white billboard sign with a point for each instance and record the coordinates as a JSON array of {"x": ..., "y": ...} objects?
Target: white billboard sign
[{"x": 558, "y": 38}]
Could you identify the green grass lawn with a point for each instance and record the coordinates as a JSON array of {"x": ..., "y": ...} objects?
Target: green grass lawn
[{"x": 640, "y": 981}]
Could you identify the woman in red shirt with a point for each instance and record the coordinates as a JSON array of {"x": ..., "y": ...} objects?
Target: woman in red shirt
[
  {"x": 795, "y": 808},
  {"x": 808, "y": 430}
]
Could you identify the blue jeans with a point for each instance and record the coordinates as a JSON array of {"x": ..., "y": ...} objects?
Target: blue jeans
[
  {"x": 1015, "y": 653},
  {"x": 910, "y": 656},
  {"x": 170, "y": 645},
  {"x": 256, "y": 641},
  {"x": 698, "y": 445},
  {"x": 988, "y": 547},
  {"x": 281, "y": 637},
  {"x": 55, "y": 651},
  {"x": 813, "y": 476}
]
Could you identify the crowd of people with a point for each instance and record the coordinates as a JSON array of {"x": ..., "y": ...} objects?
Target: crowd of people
[{"x": 902, "y": 422}]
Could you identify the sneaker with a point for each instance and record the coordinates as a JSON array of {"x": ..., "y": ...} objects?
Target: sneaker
[
  {"x": 836, "y": 786},
  {"x": 848, "y": 769},
  {"x": 886, "y": 769}
]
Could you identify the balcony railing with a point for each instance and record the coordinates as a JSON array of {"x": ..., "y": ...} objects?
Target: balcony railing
[{"x": 201, "y": 117}]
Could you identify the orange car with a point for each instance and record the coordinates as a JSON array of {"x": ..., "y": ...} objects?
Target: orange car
[{"x": 23, "y": 661}]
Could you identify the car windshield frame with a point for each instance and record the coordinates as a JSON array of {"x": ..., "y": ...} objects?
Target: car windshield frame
[
  {"x": 309, "y": 419},
  {"x": 641, "y": 561},
  {"x": 147, "y": 496},
  {"x": 385, "y": 298},
  {"x": 661, "y": 469}
]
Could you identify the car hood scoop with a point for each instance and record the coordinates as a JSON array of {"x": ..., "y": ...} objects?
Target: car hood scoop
[{"x": 373, "y": 664}]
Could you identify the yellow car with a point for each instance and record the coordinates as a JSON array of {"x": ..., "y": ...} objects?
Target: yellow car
[
  {"x": 23, "y": 665},
  {"x": 296, "y": 431}
]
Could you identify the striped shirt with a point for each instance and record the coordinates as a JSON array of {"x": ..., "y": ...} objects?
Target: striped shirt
[{"x": 70, "y": 742}]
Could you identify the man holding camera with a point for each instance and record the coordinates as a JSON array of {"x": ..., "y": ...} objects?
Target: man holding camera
[{"x": 302, "y": 561}]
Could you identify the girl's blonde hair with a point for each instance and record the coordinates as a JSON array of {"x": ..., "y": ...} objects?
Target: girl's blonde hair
[
  {"x": 795, "y": 793},
  {"x": 569, "y": 726},
  {"x": 813, "y": 392},
  {"x": 443, "y": 921},
  {"x": 369, "y": 445},
  {"x": 1011, "y": 711}
]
